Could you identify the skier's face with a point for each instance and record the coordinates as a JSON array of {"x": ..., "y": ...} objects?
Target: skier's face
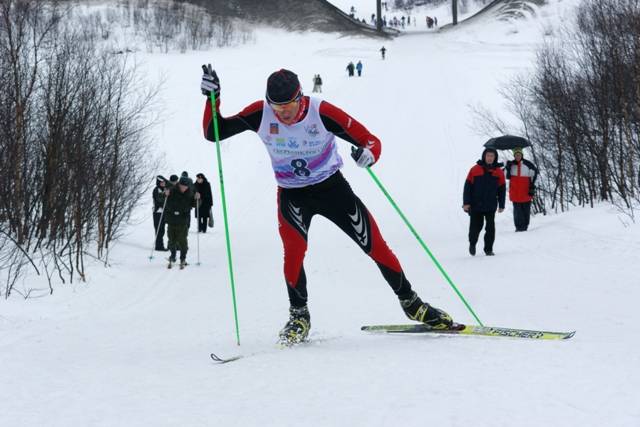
[{"x": 286, "y": 113}]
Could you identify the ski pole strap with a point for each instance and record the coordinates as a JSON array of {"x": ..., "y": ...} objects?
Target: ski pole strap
[
  {"x": 424, "y": 246},
  {"x": 216, "y": 133}
]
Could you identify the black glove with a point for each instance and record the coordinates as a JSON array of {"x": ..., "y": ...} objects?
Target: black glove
[
  {"x": 532, "y": 189},
  {"x": 363, "y": 156},
  {"x": 210, "y": 81}
]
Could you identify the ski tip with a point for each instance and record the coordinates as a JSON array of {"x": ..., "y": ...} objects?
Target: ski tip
[
  {"x": 221, "y": 360},
  {"x": 569, "y": 335}
]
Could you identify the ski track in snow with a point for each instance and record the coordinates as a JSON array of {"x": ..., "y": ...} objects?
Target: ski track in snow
[{"x": 131, "y": 347}]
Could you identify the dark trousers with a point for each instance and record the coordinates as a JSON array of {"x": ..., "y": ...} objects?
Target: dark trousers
[
  {"x": 475, "y": 227},
  {"x": 202, "y": 223},
  {"x": 178, "y": 240},
  {"x": 521, "y": 215},
  {"x": 334, "y": 200},
  {"x": 158, "y": 227}
]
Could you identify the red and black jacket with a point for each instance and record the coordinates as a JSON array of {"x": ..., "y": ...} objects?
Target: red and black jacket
[
  {"x": 334, "y": 119},
  {"x": 484, "y": 188},
  {"x": 523, "y": 176}
]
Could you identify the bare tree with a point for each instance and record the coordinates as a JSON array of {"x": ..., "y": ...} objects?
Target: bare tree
[
  {"x": 581, "y": 109},
  {"x": 73, "y": 122}
]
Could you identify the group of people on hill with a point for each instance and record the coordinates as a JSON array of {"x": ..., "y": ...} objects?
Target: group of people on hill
[
  {"x": 485, "y": 193},
  {"x": 173, "y": 200},
  {"x": 351, "y": 69},
  {"x": 394, "y": 22}
]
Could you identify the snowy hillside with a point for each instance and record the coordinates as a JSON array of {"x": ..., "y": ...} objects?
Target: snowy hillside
[{"x": 131, "y": 346}]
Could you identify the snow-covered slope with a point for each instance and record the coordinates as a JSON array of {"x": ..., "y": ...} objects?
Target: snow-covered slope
[{"x": 131, "y": 347}]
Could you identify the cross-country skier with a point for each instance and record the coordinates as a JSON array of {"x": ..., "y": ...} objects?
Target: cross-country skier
[{"x": 299, "y": 134}]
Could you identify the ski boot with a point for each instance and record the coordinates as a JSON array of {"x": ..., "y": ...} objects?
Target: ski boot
[
  {"x": 183, "y": 264},
  {"x": 296, "y": 330},
  {"x": 171, "y": 261},
  {"x": 420, "y": 311}
]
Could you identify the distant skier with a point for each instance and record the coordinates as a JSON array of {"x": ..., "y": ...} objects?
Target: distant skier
[
  {"x": 522, "y": 175},
  {"x": 359, "y": 68},
  {"x": 317, "y": 84},
  {"x": 299, "y": 134},
  {"x": 383, "y": 50},
  {"x": 350, "y": 69},
  {"x": 484, "y": 191},
  {"x": 204, "y": 204},
  {"x": 180, "y": 200},
  {"x": 158, "y": 214}
]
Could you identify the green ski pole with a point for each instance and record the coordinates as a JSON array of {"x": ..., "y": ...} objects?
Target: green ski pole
[
  {"x": 424, "y": 246},
  {"x": 224, "y": 213}
]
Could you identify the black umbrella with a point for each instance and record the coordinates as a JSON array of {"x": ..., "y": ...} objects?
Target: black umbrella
[{"x": 507, "y": 142}]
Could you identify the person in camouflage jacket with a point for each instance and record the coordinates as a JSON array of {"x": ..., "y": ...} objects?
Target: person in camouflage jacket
[{"x": 180, "y": 200}]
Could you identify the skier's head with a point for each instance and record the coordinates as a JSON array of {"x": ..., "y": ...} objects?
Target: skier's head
[
  {"x": 283, "y": 87},
  {"x": 489, "y": 156},
  {"x": 284, "y": 94},
  {"x": 183, "y": 184},
  {"x": 160, "y": 181},
  {"x": 173, "y": 179},
  {"x": 200, "y": 178}
]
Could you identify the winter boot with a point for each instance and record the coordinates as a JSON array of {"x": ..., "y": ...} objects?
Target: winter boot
[
  {"x": 296, "y": 330},
  {"x": 472, "y": 249},
  {"x": 172, "y": 260},
  {"x": 183, "y": 263},
  {"x": 417, "y": 310}
]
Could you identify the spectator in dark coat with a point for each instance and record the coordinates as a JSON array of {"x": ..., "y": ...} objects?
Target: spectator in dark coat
[
  {"x": 350, "y": 68},
  {"x": 184, "y": 174},
  {"x": 484, "y": 192},
  {"x": 205, "y": 202},
  {"x": 158, "y": 214},
  {"x": 522, "y": 175},
  {"x": 317, "y": 83}
]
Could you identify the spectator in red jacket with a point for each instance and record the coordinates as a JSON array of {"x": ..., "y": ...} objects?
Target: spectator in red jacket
[
  {"x": 484, "y": 192},
  {"x": 522, "y": 174}
]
